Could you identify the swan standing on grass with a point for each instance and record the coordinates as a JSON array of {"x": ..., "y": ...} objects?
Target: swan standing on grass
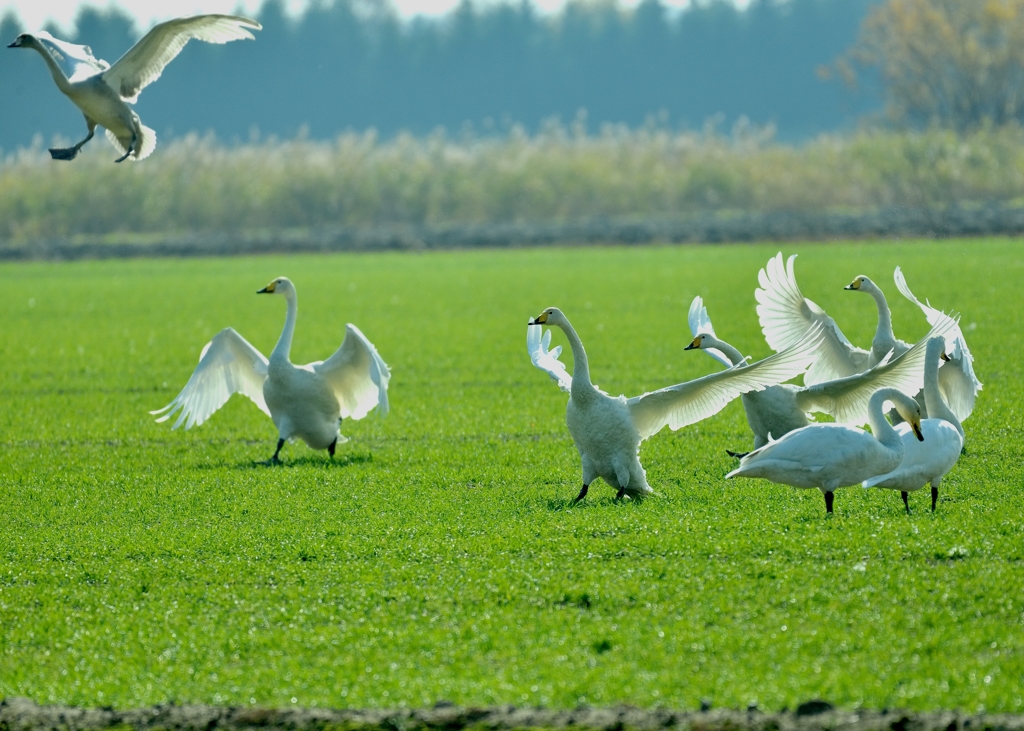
[
  {"x": 306, "y": 401},
  {"x": 103, "y": 92},
  {"x": 830, "y": 456},
  {"x": 956, "y": 380},
  {"x": 778, "y": 410},
  {"x": 785, "y": 315},
  {"x": 928, "y": 461},
  {"x": 608, "y": 430}
]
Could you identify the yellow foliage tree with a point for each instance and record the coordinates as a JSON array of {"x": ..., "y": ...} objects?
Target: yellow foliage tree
[{"x": 957, "y": 63}]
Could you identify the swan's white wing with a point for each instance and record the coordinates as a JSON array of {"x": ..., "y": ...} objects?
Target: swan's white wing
[
  {"x": 785, "y": 315},
  {"x": 547, "y": 360},
  {"x": 145, "y": 61},
  {"x": 358, "y": 375},
  {"x": 846, "y": 399},
  {"x": 227, "y": 365},
  {"x": 77, "y": 62},
  {"x": 688, "y": 403},
  {"x": 958, "y": 384},
  {"x": 701, "y": 323}
]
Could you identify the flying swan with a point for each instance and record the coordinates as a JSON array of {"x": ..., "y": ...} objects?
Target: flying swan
[
  {"x": 608, "y": 430},
  {"x": 830, "y": 456},
  {"x": 778, "y": 410},
  {"x": 306, "y": 401},
  {"x": 103, "y": 92},
  {"x": 928, "y": 461}
]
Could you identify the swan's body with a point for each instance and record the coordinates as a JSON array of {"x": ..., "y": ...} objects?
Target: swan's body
[
  {"x": 103, "y": 92},
  {"x": 778, "y": 410},
  {"x": 830, "y": 456},
  {"x": 304, "y": 401},
  {"x": 929, "y": 461},
  {"x": 608, "y": 430},
  {"x": 957, "y": 383},
  {"x": 785, "y": 315}
]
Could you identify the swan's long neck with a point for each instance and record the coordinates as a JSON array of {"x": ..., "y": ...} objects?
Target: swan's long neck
[
  {"x": 55, "y": 71},
  {"x": 734, "y": 356},
  {"x": 880, "y": 427},
  {"x": 283, "y": 349},
  {"x": 937, "y": 408},
  {"x": 581, "y": 385},
  {"x": 884, "y": 339}
]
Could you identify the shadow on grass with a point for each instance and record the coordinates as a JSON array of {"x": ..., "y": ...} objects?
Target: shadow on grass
[{"x": 310, "y": 460}]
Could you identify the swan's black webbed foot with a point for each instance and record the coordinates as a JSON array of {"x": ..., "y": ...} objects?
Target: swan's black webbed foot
[
  {"x": 906, "y": 503},
  {"x": 829, "y": 497},
  {"x": 621, "y": 493},
  {"x": 275, "y": 460},
  {"x": 583, "y": 494},
  {"x": 332, "y": 447},
  {"x": 66, "y": 153},
  {"x": 737, "y": 455}
]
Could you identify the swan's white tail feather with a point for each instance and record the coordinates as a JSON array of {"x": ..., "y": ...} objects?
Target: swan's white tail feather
[{"x": 144, "y": 145}]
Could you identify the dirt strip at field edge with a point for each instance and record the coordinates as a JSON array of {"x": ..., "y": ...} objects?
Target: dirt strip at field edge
[{"x": 22, "y": 714}]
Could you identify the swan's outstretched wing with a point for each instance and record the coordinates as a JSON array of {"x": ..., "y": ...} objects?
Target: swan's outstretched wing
[
  {"x": 227, "y": 365},
  {"x": 688, "y": 403},
  {"x": 77, "y": 62},
  {"x": 547, "y": 360},
  {"x": 785, "y": 316},
  {"x": 701, "y": 323},
  {"x": 145, "y": 61},
  {"x": 358, "y": 375},
  {"x": 846, "y": 399},
  {"x": 957, "y": 381}
]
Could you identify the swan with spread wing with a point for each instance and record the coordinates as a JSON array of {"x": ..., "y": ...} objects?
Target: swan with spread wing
[
  {"x": 103, "y": 92},
  {"x": 778, "y": 410},
  {"x": 608, "y": 430},
  {"x": 304, "y": 401}
]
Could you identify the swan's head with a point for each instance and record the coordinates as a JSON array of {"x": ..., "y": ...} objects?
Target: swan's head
[
  {"x": 910, "y": 410},
  {"x": 701, "y": 341},
  {"x": 861, "y": 284},
  {"x": 281, "y": 285},
  {"x": 22, "y": 41},
  {"x": 550, "y": 316}
]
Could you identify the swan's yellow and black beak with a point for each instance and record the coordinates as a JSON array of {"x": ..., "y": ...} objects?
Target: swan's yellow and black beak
[
  {"x": 540, "y": 319},
  {"x": 695, "y": 344},
  {"x": 269, "y": 289},
  {"x": 13, "y": 45},
  {"x": 854, "y": 285},
  {"x": 916, "y": 426},
  {"x": 944, "y": 357}
]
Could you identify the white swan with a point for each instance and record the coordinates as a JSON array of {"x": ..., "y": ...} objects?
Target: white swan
[
  {"x": 830, "y": 456},
  {"x": 778, "y": 410},
  {"x": 928, "y": 461},
  {"x": 306, "y": 401},
  {"x": 608, "y": 430},
  {"x": 957, "y": 382},
  {"x": 785, "y": 315},
  {"x": 103, "y": 92}
]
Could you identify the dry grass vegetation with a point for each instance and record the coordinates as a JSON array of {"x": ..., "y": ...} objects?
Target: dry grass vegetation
[{"x": 559, "y": 174}]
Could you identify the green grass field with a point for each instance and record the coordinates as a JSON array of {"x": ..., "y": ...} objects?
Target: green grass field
[{"x": 436, "y": 557}]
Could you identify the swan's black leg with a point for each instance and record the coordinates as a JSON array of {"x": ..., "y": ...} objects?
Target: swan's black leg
[
  {"x": 275, "y": 459},
  {"x": 583, "y": 494},
  {"x": 737, "y": 455},
  {"x": 935, "y": 497},
  {"x": 330, "y": 449},
  {"x": 131, "y": 148},
  {"x": 906, "y": 504},
  {"x": 621, "y": 493},
  {"x": 70, "y": 153},
  {"x": 829, "y": 497}
]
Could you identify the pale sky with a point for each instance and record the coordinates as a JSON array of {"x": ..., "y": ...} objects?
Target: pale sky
[{"x": 34, "y": 14}]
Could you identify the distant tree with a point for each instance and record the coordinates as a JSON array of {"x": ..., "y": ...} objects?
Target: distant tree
[{"x": 958, "y": 63}]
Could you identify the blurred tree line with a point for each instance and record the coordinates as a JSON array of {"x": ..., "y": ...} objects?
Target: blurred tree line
[
  {"x": 353, "y": 64},
  {"x": 953, "y": 63}
]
